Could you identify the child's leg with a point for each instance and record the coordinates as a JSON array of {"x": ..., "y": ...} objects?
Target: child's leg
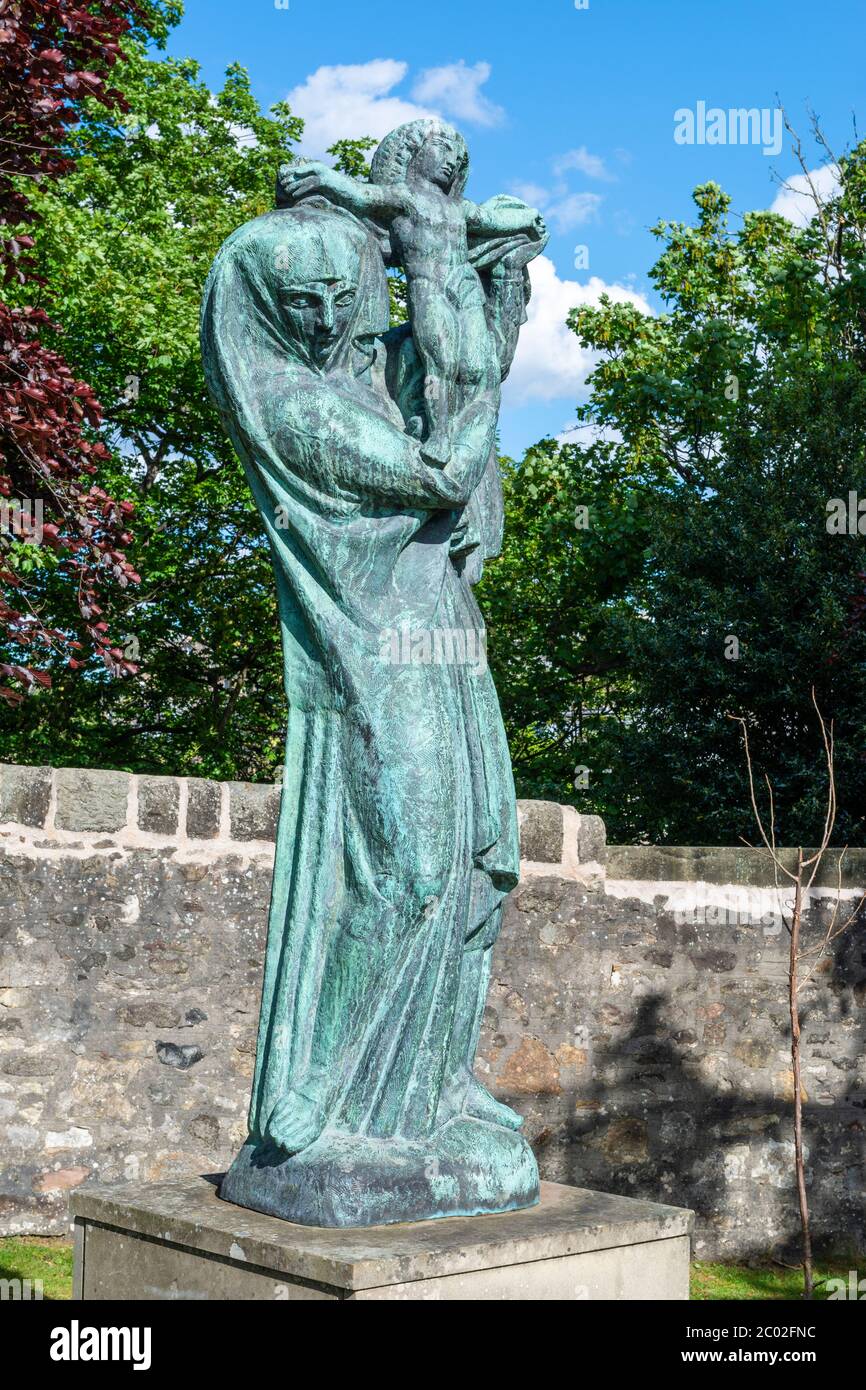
[
  {"x": 436, "y": 331},
  {"x": 479, "y": 365}
]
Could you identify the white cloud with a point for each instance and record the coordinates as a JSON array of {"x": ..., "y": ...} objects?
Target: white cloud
[
  {"x": 592, "y": 165},
  {"x": 565, "y": 210},
  {"x": 352, "y": 100},
  {"x": 550, "y": 362},
  {"x": 456, "y": 90},
  {"x": 573, "y": 210},
  {"x": 532, "y": 193},
  {"x": 356, "y": 99},
  {"x": 795, "y": 200}
]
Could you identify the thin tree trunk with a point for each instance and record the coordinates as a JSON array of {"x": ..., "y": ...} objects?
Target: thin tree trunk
[{"x": 798, "y": 1085}]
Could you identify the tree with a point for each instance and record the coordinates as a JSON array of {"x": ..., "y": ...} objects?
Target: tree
[
  {"x": 554, "y": 602},
  {"x": 127, "y": 240},
  {"x": 56, "y": 524},
  {"x": 729, "y": 423}
]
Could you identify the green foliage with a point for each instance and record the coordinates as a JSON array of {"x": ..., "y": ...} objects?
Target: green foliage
[
  {"x": 350, "y": 156},
  {"x": 554, "y": 604},
  {"x": 125, "y": 246},
  {"x": 58, "y": 58},
  {"x": 727, "y": 424}
]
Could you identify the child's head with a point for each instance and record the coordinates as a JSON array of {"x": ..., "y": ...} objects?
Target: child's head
[{"x": 430, "y": 149}]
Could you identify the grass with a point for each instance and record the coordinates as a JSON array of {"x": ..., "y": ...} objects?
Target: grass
[
  {"x": 34, "y": 1257},
  {"x": 758, "y": 1279},
  {"x": 38, "y": 1257}
]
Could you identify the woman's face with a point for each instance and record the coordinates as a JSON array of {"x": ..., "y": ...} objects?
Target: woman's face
[{"x": 319, "y": 313}]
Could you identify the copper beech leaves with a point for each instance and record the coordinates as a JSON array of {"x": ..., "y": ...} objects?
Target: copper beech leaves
[{"x": 54, "y": 54}]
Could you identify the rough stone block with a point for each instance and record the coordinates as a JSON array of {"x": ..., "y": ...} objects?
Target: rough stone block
[
  {"x": 25, "y": 793},
  {"x": 144, "y": 1013},
  {"x": 203, "y": 810},
  {"x": 540, "y": 831},
  {"x": 591, "y": 840},
  {"x": 254, "y": 811},
  {"x": 182, "y": 1056},
  {"x": 91, "y": 800},
  {"x": 158, "y": 803}
]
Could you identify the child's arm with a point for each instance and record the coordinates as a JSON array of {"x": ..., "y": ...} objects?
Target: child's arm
[
  {"x": 503, "y": 216},
  {"x": 380, "y": 201}
]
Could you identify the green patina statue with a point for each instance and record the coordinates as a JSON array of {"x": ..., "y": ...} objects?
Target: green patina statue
[{"x": 371, "y": 456}]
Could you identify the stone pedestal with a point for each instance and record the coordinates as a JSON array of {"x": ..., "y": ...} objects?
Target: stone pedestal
[{"x": 180, "y": 1241}]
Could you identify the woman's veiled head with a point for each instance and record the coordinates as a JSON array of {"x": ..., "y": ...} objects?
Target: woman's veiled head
[
  {"x": 305, "y": 284},
  {"x": 319, "y": 270}
]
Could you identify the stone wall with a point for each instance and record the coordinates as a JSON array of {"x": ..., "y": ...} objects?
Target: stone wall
[{"x": 636, "y": 1017}]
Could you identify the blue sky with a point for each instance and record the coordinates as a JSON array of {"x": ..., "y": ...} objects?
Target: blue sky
[{"x": 573, "y": 108}]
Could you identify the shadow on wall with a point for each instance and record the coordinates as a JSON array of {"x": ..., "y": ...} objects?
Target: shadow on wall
[
  {"x": 684, "y": 1105},
  {"x": 726, "y": 1143}
]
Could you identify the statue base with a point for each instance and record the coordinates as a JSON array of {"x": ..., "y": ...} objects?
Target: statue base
[
  {"x": 178, "y": 1241},
  {"x": 468, "y": 1168}
]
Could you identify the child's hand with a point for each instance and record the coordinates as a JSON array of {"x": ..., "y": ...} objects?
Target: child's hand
[{"x": 296, "y": 181}]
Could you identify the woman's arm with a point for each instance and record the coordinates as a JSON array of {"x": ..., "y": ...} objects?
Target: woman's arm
[{"x": 337, "y": 442}]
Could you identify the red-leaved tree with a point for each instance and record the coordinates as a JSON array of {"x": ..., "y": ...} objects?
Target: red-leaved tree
[{"x": 54, "y": 519}]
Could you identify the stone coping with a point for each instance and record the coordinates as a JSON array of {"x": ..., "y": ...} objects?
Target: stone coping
[
  {"x": 65, "y": 803},
  {"x": 726, "y": 864},
  {"x": 87, "y": 810},
  {"x": 567, "y": 1221}
]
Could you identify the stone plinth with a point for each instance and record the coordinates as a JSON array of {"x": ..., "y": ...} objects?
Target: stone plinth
[{"x": 180, "y": 1241}]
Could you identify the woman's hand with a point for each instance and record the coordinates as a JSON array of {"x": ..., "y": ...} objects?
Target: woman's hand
[{"x": 538, "y": 228}]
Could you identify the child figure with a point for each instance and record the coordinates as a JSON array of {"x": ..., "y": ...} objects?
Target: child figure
[{"x": 418, "y": 174}]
